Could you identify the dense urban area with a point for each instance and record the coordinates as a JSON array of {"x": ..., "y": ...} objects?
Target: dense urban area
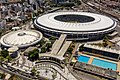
[{"x": 59, "y": 39}]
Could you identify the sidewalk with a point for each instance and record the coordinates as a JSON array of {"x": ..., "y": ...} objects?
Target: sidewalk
[{"x": 64, "y": 73}]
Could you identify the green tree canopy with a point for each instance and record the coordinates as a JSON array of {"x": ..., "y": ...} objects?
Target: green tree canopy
[
  {"x": 41, "y": 42},
  {"x": 52, "y": 39},
  {"x": 33, "y": 55},
  {"x": 43, "y": 50},
  {"x": 81, "y": 48},
  {"x": 4, "y": 53},
  {"x": 48, "y": 45},
  {"x": 33, "y": 71},
  {"x": 70, "y": 49}
]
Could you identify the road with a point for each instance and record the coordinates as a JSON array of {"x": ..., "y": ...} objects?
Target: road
[{"x": 66, "y": 75}]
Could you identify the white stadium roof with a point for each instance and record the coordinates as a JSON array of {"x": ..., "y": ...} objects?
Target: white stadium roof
[
  {"x": 21, "y": 38},
  {"x": 99, "y": 23}
]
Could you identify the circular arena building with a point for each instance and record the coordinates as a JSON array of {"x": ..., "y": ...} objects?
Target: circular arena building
[
  {"x": 21, "y": 38},
  {"x": 77, "y": 25}
]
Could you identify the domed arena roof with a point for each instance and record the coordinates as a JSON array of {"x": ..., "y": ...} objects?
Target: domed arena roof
[{"x": 21, "y": 38}]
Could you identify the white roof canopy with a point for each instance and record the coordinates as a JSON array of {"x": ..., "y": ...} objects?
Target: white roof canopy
[
  {"x": 21, "y": 38},
  {"x": 100, "y": 23}
]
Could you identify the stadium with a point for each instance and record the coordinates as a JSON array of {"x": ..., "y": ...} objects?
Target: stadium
[{"x": 77, "y": 25}]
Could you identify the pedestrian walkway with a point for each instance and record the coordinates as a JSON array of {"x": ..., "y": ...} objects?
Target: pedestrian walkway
[
  {"x": 65, "y": 73},
  {"x": 74, "y": 51},
  {"x": 90, "y": 60},
  {"x": 64, "y": 48},
  {"x": 58, "y": 44}
]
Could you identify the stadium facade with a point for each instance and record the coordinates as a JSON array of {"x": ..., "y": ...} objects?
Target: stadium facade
[{"x": 77, "y": 25}]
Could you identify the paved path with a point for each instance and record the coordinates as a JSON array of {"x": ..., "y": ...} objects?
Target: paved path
[
  {"x": 64, "y": 73},
  {"x": 74, "y": 51}
]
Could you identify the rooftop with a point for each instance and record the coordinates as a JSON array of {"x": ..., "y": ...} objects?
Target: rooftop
[
  {"x": 21, "y": 38},
  {"x": 48, "y": 21},
  {"x": 102, "y": 48}
]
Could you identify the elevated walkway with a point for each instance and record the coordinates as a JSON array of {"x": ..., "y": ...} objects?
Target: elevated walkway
[
  {"x": 59, "y": 48},
  {"x": 58, "y": 44},
  {"x": 64, "y": 48},
  {"x": 51, "y": 55}
]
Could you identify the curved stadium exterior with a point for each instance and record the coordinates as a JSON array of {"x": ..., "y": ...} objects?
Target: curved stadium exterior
[{"x": 77, "y": 25}]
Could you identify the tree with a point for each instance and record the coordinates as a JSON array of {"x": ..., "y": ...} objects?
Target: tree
[
  {"x": 1, "y": 59},
  {"x": 8, "y": 58},
  {"x": 4, "y": 53},
  {"x": 78, "y": 2},
  {"x": 70, "y": 49},
  {"x": 22, "y": 1},
  {"x": 48, "y": 45},
  {"x": 2, "y": 75},
  {"x": 105, "y": 44},
  {"x": 71, "y": 63},
  {"x": 43, "y": 50},
  {"x": 81, "y": 48},
  {"x": 67, "y": 4},
  {"x": 52, "y": 38},
  {"x": 33, "y": 55},
  {"x": 105, "y": 39},
  {"x": 33, "y": 71},
  {"x": 41, "y": 42},
  {"x": 37, "y": 73},
  {"x": 54, "y": 75}
]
